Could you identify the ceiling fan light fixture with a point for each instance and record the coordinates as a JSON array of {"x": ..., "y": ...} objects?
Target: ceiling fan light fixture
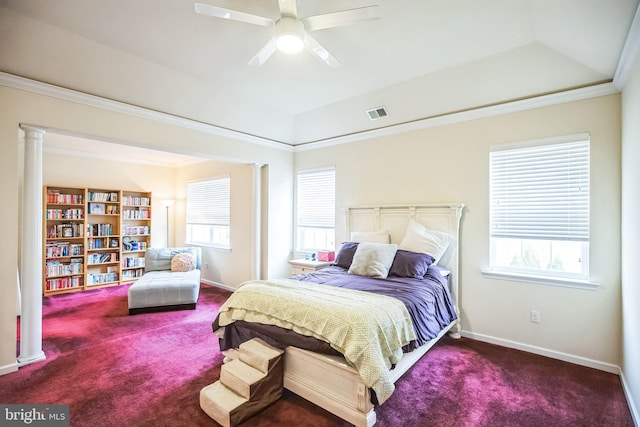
[{"x": 289, "y": 35}]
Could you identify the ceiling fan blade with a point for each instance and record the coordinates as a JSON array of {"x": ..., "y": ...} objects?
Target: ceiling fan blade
[
  {"x": 323, "y": 54},
  {"x": 264, "y": 53},
  {"x": 338, "y": 19},
  {"x": 288, "y": 8},
  {"x": 234, "y": 15}
]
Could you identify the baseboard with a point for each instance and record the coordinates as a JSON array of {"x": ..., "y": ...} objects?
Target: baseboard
[
  {"x": 217, "y": 285},
  {"x": 632, "y": 406},
  {"x": 578, "y": 360},
  {"x": 7, "y": 369}
]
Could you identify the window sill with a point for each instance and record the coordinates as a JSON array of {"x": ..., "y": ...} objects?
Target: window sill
[
  {"x": 215, "y": 248},
  {"x": 541, "y": 280}
]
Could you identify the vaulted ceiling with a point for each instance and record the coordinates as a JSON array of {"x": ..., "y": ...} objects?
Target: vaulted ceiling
[{"x": 420, "y": 59}]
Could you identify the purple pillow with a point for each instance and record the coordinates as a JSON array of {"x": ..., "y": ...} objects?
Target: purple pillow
[
  {"x": 345, "y": 256},
  {"x": 410, "y": 264}
]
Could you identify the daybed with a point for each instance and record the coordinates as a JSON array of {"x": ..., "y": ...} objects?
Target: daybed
[
  {"x": 411, "y": 301},
  {"x": 162, "y": 287}
]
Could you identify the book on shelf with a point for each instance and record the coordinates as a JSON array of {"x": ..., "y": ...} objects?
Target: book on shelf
[
  {"x": 99, "y": 229},
  {"x": 55, "y": 197},
  {"x": 63, "y": 283},
  {"x": 132, "y": 262},
  {"x": 63, "y": 249},
  {"x": 132, "y": 230},
  {"x": 70, "y": 229},
  {"x": 132, "y": 274},
  {"x": 100, "y": 278},
  {"x": 136, "y": 201},
  {"x": 134, "y": 246},
  {"x": 102, "y": 258},
  {"x": 70, "y": 213},
  {"x": 112, "y": 210},
  {"x": 100, "y": 196},
  {"x": 57, "y": 268},
  {"x": 135, "y": 214}
]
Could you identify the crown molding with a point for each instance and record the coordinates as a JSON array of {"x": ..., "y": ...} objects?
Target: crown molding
[
  {"x": 630, "y": 53},
  {"x": 587, "y": 92},
  {"x": 47, "y": 89}
]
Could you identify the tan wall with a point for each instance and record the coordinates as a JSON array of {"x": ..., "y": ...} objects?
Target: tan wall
[
  {"x": 18, "y": 106},
  {"x": 229, "y": 268},
  {"x": 233, "y": 267},
  {"x": 451, "y": 164},
  {"x": 446, "y": 163},
  {"x": 63, "y": 169}
]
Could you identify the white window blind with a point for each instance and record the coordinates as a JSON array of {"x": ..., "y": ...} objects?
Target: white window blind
[
  {"x": 315, "y": 210},
  {"x": 541, "y": 192},
  {"x": 208, "y": 211},
  {"x": 316, "y": 198}
]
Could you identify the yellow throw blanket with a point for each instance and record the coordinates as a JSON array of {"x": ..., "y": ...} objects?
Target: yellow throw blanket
[{"x": 368, "y": 329}]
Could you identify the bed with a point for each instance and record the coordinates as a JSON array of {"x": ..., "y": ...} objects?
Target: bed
[{"x": 316, "y": 352}]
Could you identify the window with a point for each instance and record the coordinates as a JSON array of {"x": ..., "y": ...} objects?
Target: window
[
  {"x": 540, "y": 208},
  {"x": 315, "y": 211},
  {"x": 208, "y": 206}
]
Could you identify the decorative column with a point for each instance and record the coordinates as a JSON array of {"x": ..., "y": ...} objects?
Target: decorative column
[
  {"x": 31, "y": 256},
  {"x": 256, "y": 218}
]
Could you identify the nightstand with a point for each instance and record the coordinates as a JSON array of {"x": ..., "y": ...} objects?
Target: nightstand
[{"x": 303, "y": 266}]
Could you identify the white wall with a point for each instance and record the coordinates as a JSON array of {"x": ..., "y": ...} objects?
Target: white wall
[
  {"x": 451, "y": 164},
  {"x": 20, "y": 106},
  {"x": 631, "y": 238}
]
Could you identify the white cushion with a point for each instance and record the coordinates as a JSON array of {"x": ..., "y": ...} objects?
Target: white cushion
[
  {"x": 373, "y": 259},
  {"x": 420, "y": 239},
  {"x": 161, "y": 288},
  {"x": 370, "y": 236}
]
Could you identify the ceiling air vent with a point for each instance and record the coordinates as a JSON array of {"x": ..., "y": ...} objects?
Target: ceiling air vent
[{"x": 377, "y": 113}]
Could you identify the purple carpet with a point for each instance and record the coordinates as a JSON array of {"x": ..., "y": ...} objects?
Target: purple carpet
[{"x": 147, "y": 370}]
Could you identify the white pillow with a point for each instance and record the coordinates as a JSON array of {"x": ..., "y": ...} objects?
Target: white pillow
[
  {"x": 373, "y": 259},
  {"x": 370, "y": 236},
  {"x": 420, "y": 239}
]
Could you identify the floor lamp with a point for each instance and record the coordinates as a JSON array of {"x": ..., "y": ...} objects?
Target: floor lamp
[{"x": 167, "y": 204}]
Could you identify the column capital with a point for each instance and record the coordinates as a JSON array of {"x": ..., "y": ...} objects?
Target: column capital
[{"x": 33, "y": 128}]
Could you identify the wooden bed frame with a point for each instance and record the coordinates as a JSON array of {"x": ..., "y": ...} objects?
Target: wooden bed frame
[{"x": 328, "y": 381}]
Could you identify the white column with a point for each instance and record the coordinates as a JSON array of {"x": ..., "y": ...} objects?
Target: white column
[
  {"x": 31, "y": 257},
  {"x": 256, "y": 218}
]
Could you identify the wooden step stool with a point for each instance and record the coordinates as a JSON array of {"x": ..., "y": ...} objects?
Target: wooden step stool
[{"x": 247, "y": 384}]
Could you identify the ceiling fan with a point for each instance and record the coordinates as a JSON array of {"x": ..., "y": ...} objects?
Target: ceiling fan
[{"x": 291, "y": 32}]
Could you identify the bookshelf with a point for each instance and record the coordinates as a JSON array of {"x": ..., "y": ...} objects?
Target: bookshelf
[
  {"x": 64, "y": 242},
  {"x": 93, "y": 237},
  {"x": 136, "y": 232},
  {"x": 103, "y": 237}
]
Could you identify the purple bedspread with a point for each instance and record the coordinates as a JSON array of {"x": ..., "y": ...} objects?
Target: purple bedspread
[{"x": 427, "y": 300}]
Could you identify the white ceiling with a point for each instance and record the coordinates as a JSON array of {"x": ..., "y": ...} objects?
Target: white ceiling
[
  {"x": 422, "y": 58},
  {"x": 65, "y": 144}
]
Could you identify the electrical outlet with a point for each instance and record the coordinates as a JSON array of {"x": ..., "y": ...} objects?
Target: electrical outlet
[{"x": 535, "y": 316}]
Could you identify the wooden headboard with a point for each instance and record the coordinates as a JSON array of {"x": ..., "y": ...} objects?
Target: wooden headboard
[{"x": 394, "y": 218}]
